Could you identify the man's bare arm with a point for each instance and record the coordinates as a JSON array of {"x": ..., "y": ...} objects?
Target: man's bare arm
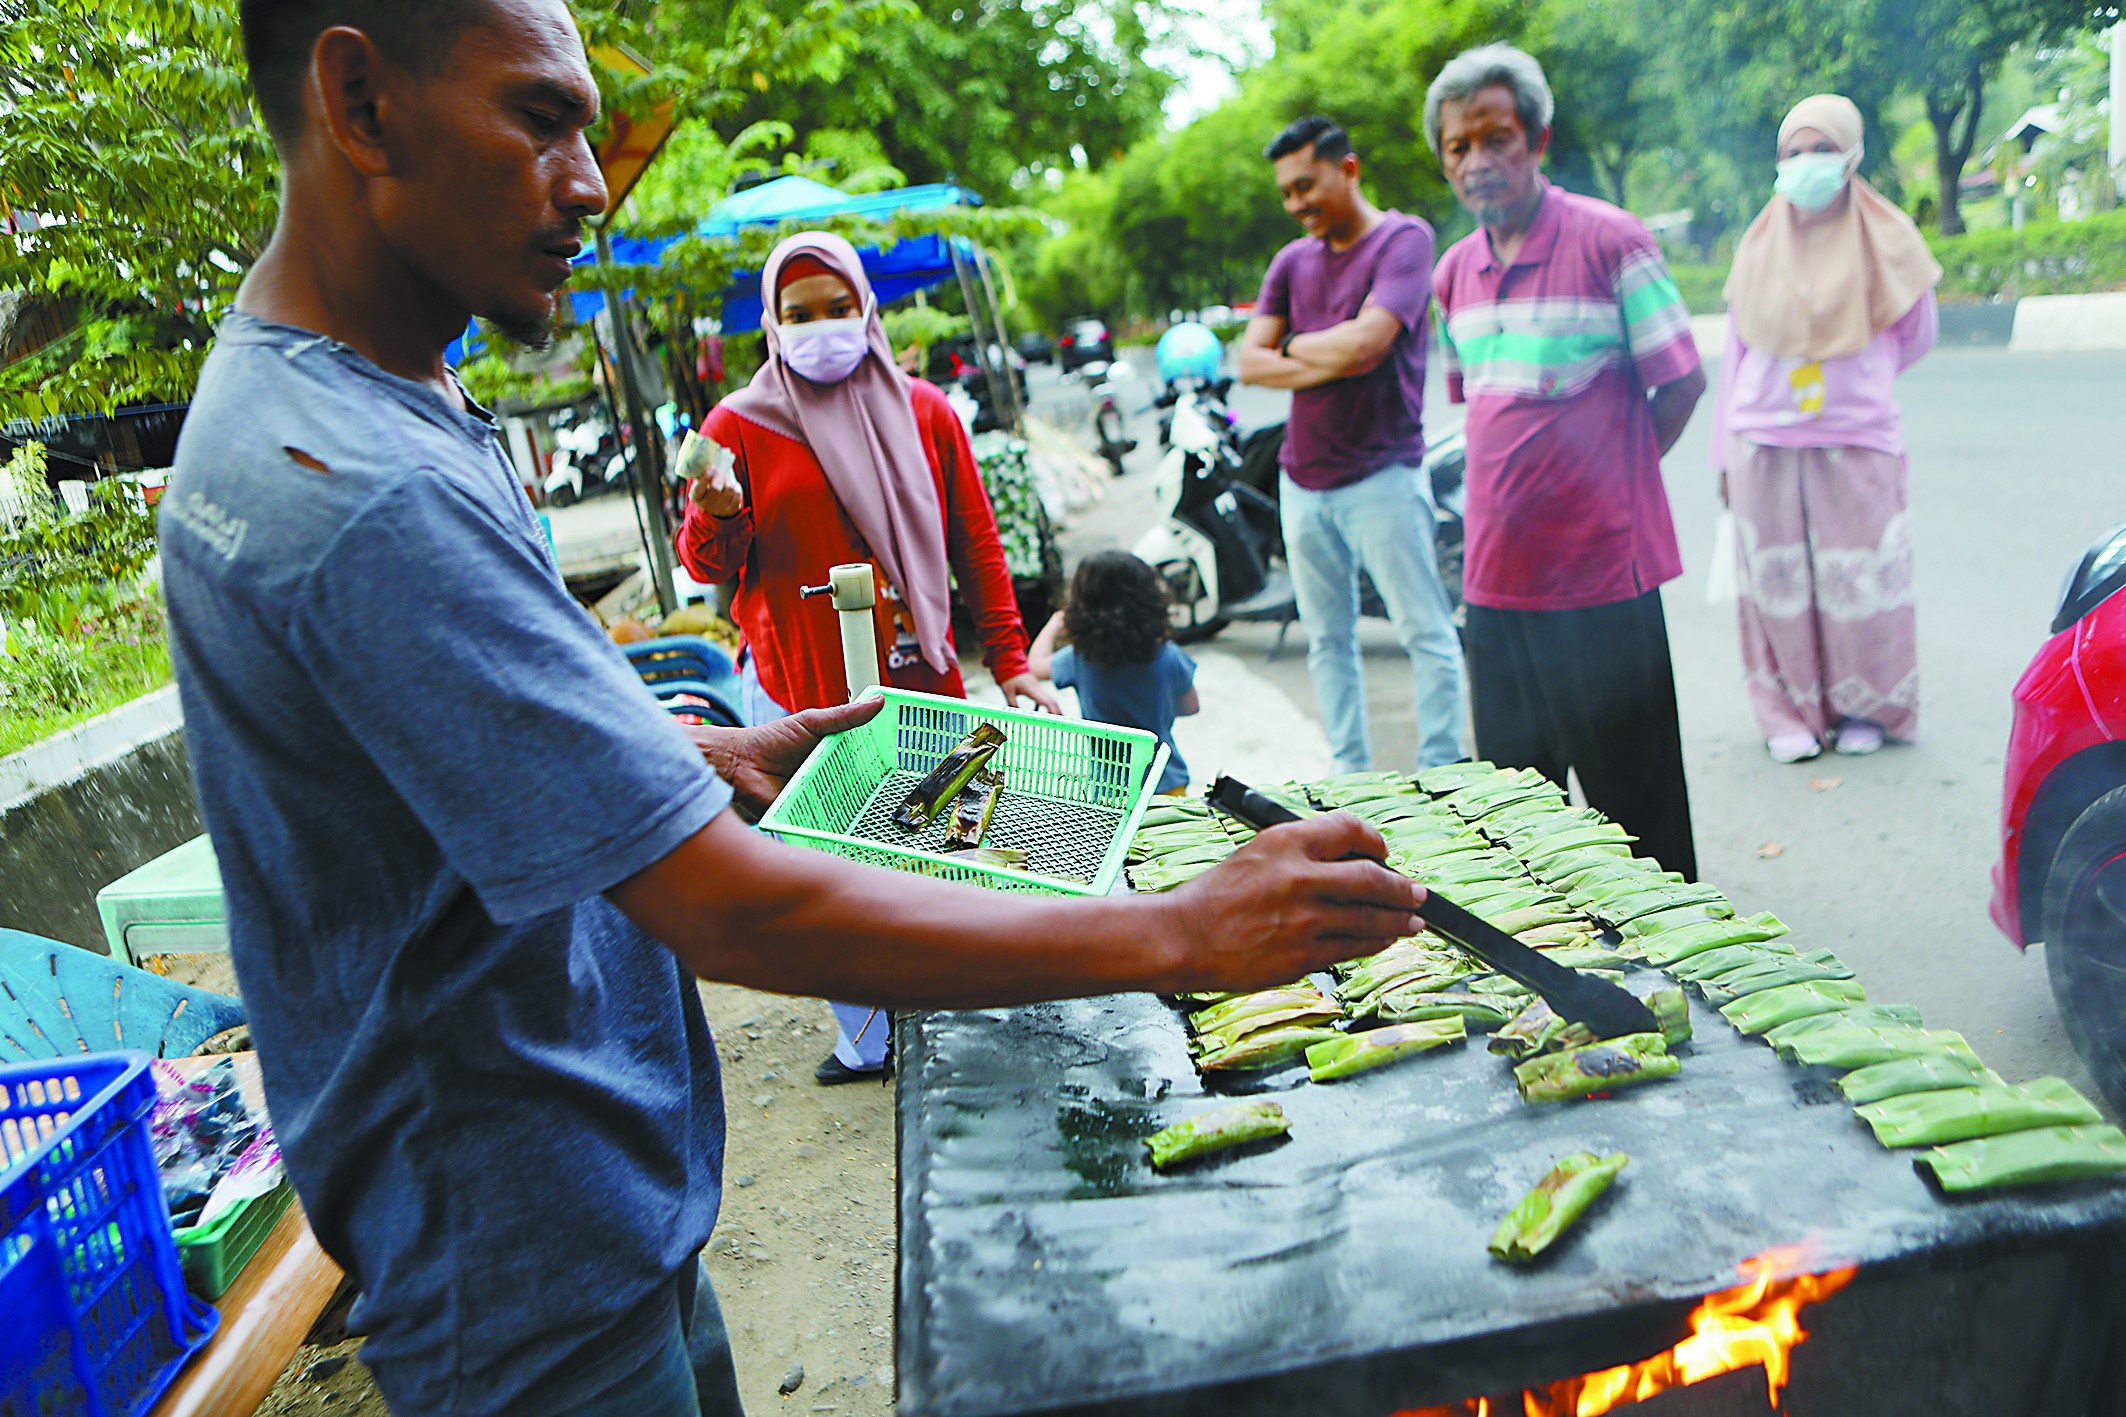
[
  {"x": 736, "y": 906},
  {"x": 1357, "y": 346},
  {"x": 1673, "y": 402}
]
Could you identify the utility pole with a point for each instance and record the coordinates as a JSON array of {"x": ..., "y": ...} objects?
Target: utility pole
[
  {"x": 646, "y": 458},
  {"x": 2118, "y": 105}
]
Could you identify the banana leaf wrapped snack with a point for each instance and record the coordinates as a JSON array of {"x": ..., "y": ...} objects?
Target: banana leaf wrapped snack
[
  {"x": 2026, "y": 1158},
  {"x": 1557, "y": 1201},
  {"x": 1759, "y": 1013},
  {"x": 1598, "y": 1067},
  {"x": 1923, "y": 1072},
  {"x": 1845, "y": 1048},
  {"x": 1266, "y": 1048},
  {"x": 971, "y": 813},
  {"x": 1856, "y": 1015},
  {"x": 1478, "y": 1013},
  {"x": 1962, "y": 1113},
  {"x": 1351, "y": 1053},
  {"x": 1770, "y": 973},
  {"x": 943, "y": 783},
  {"x": 1668, "y": 947},
  {"x": 1216, "y": 1130}
]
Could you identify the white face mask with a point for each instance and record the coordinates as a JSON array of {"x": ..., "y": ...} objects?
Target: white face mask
[
  {"x": 826, "y": 351},
  {"x": 1812, "y": 181}
]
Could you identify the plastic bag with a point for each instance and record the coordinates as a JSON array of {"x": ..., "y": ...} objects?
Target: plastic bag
[
  {"x": 1720, "y": 575},
  {"x": 200, "y": 1129}
]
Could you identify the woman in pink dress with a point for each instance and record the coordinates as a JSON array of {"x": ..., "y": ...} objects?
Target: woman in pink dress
[{"x": 1830, "y": 298}]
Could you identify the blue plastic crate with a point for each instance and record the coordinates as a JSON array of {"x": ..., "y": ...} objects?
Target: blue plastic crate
[{"x": 94, "y": 1318}]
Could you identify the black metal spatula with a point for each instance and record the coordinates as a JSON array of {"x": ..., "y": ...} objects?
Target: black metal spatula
[{"x": 1602, "y": 1006}]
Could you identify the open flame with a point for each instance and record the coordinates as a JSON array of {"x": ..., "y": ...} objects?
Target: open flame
[{"x": 1756, "y": 1323}]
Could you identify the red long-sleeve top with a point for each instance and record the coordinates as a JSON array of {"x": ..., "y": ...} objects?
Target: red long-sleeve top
[{"x": 793, "y": 529}]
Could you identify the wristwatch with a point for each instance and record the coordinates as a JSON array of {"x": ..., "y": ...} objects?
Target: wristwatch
[{"x": 1284, "y": 346}]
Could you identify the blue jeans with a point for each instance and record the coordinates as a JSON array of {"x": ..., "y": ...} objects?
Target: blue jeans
[
  {"x": 861, "y": 1033},
  {"x": 1382, "y": 524},
  {"x": 690, "y": 1376}
]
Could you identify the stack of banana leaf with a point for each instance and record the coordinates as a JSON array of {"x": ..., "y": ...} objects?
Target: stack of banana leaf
[{"x": 1507, "y": 845}]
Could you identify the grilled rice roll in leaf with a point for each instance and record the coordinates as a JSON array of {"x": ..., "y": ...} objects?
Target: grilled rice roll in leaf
[
  {"x": 1598, "y": 1067},
  {"x": 1758, "y": 1012},
  {"x": 1528, "y": 1032},
  {"x": 1962, "y": 1113},
  {"x": 942, "y": 783},
  {"x": 1922, "y": 1072},
  {"x": 1771, "y": 973},
  {"x": 1213, "y": 1041},
  {"x": 1860, "y": 1047},
  {"x": 1376, "y": 1047},
  {"x": 1855, "y": 1016},
  {"x": 1266, "y": 1049},
  {"x": 1559, "y": 1199},
  {"x": 2041, "y": 1154},
  {"x": 1240, "y": 1006},
  {"x": 1478, "y": 1013},
  {"x": 1667, "y": 947},
  {"x": 1215, "y": 1130},
  {"x": 1595, "y": 957},
  {"x": 971, "y": 813},
  {"x": 1711, "y": 964}
]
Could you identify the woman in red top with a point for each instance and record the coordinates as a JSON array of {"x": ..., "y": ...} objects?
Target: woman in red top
[{"x": 838, "y": 456}]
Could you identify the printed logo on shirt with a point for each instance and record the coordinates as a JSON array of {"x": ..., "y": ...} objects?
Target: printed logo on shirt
[
  {"x": 206, "y": 520},
  {"x": 1807, "y": 382},
  {"x": 903, "y": 650}
]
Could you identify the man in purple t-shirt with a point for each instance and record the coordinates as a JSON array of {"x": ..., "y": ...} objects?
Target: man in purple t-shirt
[{"x": 1341, "y": 323}]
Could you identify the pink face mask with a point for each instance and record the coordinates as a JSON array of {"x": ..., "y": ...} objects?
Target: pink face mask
[{"x": 826, "y": 351}]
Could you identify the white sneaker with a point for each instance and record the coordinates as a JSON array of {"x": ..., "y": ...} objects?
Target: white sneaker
[
  {"x": 1857, "y": 737},
  {"x": 1796, "y": 747}
]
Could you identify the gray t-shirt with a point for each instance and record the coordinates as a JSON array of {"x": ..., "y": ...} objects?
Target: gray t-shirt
[{"x": 421, "y": 764}]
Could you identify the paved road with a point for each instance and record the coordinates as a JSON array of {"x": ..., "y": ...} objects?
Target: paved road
[{"x": 2016, "y": 468}]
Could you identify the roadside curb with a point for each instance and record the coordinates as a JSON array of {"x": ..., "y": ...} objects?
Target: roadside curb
[
  {"x": 65, "y": 757},
  {"x": 2036, "y": 324}
]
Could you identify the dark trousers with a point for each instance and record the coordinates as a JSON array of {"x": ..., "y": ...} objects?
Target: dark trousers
[{"x": 1591, "y": 692}]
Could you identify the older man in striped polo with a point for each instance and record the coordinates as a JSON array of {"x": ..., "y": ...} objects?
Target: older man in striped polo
[{"x": 1569, "y": 342}]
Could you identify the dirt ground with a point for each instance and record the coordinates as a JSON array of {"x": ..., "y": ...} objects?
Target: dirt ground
[{"x": 803, "y": 1254}]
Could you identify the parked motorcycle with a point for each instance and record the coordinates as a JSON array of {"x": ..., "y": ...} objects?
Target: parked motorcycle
[
  {"x": 1219, "y": 549},
  {"x": 1109, "y": 429},
  {"x": 587, "y": 460}
]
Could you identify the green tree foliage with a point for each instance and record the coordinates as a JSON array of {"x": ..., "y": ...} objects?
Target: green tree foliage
[
  {"x": 1766, "y": 54},
  {"x": 129, "y": 124},
  {"x": 987, "y": 93}
]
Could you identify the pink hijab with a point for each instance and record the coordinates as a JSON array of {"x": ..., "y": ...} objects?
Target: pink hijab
[{"x": 863, "y": 432}]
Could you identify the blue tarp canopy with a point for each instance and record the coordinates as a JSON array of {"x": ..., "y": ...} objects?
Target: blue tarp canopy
[{"x": 896, "y": 271}]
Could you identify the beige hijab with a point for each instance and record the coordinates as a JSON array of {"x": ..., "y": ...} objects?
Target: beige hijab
[{"x": 1823, "y": 286}]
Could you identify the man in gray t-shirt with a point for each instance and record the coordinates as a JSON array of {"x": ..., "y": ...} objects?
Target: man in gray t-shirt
[
  {"x": 1341, "y": 323},
  {"x": 471, "y": 869}
]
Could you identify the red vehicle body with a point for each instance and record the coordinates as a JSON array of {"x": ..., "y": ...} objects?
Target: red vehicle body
[
  {"x": 2062, "y": 874},
  {"x": 2067, "y": 748}
]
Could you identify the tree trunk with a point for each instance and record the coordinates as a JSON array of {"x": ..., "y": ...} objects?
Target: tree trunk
[{"x": 1952, "y": 148}]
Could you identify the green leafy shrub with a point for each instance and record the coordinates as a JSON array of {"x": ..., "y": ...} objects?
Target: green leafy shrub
[
  {"x": 59, "y": 568},
  {"x": 2044, "y": 258}
]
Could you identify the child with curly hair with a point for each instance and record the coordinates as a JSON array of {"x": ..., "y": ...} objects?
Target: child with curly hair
[{"x": 1119, "y": 659}]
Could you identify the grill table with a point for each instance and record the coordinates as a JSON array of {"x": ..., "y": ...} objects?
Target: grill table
[{"x": 1045, "y": 1267}]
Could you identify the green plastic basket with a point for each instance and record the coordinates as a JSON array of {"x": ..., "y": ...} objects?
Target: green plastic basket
[
  {"x": 213, "y": 1255},
  {"x": 1074, "y": 792}
]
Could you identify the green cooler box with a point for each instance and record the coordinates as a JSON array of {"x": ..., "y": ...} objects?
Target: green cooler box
[{"x": 172, "y": 905}]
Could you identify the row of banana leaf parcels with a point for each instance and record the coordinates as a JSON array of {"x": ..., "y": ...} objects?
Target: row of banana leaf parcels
[{"x": 1507, "y": 845}]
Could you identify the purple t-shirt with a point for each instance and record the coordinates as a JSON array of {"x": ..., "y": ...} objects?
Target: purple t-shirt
[{"x": 1347, "y": 429}]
